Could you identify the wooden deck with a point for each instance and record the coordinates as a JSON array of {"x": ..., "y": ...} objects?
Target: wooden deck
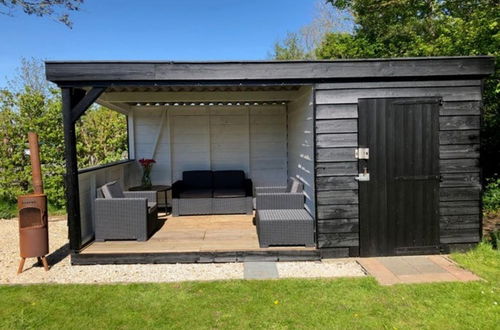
[{"x": 194, "y": 234}]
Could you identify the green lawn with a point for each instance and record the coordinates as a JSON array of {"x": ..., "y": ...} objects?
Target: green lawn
[{"x": 326, "y": 304}]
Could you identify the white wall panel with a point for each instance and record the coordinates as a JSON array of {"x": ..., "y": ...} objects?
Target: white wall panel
[
  {"x": 268, "y": 154},
  {"x": 190, "y": 136},
  {"x": 250, "y": 138},
  {"x": 229, "y": 139},
  {"x": 301, "y": 145}
]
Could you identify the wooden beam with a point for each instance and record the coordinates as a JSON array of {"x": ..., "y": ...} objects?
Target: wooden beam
[
  {"x": 85, "y": 102},
  {"x": 122, "y": 108},
  {"x": 158, "y": 134},
  {"x": 71, "y": 177},
  {"x": 229, "y": 96},
  {"x": 131, "y": 134},
  {"x": 115, "y": 71}
]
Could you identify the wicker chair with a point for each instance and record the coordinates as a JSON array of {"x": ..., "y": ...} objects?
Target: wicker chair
[
  {"x": 281, "y": 218},
  {"x": 125, "y": 215}
]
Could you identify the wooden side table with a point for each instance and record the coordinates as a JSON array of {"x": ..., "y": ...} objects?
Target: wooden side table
[{"x": 158, "y": 188}]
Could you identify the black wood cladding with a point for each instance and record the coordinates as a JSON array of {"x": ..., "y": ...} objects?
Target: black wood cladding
[
  {"x": 114, "y": 72},
  {"x": 336, "y": 166}
]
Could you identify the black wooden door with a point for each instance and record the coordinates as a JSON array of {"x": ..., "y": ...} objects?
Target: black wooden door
[{"x": 399, "y": 205}]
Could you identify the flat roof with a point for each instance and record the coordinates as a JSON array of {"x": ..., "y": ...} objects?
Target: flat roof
[{"x": 129, "y": 72}]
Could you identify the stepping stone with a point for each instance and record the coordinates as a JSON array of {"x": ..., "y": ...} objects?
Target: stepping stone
[
  {"x": 411, "y": 265},
  {"x": 260, "y": 270},
  {"x": 398, "y": 266}
]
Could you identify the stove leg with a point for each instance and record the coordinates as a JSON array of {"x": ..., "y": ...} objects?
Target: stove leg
[
  {"x": 21, "y": 266},
  {"x": 39, "y": 260},
  {"x": 45, "y": 263}
]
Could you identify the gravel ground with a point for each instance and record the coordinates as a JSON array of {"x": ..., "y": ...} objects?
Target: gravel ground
[
  {"x": 62, "y": 272},
  {"x": 311, "y": 269}
]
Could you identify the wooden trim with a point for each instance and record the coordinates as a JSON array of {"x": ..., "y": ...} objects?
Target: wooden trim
[
  {"x": 161, "y": 124},
  {"x": 118, "y": 107},
  {"x": 100, "y": 167},
  {"x": 131, "y": 135},
  {"x": 194, "y": 257},
  {"x": 227, "y": 96},
  {"x": 71, "y": 176},
  {"x": 85, "y": 102},
  {"x": 315, "y": 162},
  {"x": 264, "y": 70}
]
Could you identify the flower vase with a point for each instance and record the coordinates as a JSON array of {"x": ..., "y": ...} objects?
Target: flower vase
[{"x": 146, "y": 178}]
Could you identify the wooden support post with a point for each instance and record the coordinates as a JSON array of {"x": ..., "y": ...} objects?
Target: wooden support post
[
  {"x": 74, "y": 104},
  {"x": 71, "y": 178}
]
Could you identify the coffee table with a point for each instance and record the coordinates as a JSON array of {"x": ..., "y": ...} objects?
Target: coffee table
[{"x": 159, "y": 189}]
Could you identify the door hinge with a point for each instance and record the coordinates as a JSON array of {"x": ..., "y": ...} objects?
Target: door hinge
[{"x": 362, "y": 153}]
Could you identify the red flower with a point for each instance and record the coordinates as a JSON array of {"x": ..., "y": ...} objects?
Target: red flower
[{"x": 145, "y": 162}]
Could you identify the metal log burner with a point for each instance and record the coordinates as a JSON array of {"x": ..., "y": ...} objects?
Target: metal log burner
[{"x": 33, "y": 217}]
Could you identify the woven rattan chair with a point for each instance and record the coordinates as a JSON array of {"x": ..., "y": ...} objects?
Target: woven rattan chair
[
  {"x": 281, "y": 218},
  {"x": 129, "y": 215}
]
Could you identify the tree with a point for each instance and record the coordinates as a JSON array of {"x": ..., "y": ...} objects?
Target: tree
[
  {"x": 21, "y": 113},
  {"x": 30, "y": 74},
  {"x": 291, "y": 48},
  {"x": 57, "y": 9},
  {"x": 400, "y": 28},
  {"x": 303, "y": 44},
  {"x": 102, "y": 135},
  {"x": 424, "y": 28}
]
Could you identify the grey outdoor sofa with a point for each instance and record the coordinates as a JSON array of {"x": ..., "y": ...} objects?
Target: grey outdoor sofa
[
  {"x": 281, "y": 218},
  {"x": 125, "y": 215},
  {"x": 212, "y": 192}
]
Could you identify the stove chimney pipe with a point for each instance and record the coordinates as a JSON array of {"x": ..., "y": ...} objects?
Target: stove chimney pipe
[{"x": 35, "y": 163}]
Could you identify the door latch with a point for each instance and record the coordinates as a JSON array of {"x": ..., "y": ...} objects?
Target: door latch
[
  {"x": 365, "y": 176},
  {"x": 362, "y": 153}
]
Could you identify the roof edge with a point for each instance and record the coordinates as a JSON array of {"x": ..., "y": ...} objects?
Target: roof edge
[{"x": 390, "y": 68}]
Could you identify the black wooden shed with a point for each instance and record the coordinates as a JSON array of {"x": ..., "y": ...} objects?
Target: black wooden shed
[{"x": 388, "y": 149}]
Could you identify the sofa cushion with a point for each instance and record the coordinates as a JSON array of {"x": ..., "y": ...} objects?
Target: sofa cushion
[
  {"x": 229, "y": 179},
  {"x": 229, "y": 192},
  {"x": 197, "y": 179},
  {"x": 112, "y": 190},
  {"x": 196, "y": 193}
]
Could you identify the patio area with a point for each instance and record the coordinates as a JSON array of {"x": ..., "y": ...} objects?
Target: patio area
[{"x": 202, "y": 233}]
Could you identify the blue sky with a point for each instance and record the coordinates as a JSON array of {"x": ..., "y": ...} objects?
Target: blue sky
[{"x": 153, "y": 30}]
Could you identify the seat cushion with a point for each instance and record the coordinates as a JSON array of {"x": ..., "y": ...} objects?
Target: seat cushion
[
  {"x": 229, "y": 192},
  {"x": 196, "y": 193},
  {"x": 112, "y": 190},
  {"x": 284, "y": 214},
  {"x": 229, "y": 179},
  {"x": 197, "y": 179}
]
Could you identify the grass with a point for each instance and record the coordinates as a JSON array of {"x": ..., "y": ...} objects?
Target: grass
[{"x": 343, "y": 303}]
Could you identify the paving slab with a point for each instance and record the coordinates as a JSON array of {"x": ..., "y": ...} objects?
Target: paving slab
[
  {"x": 415, "y": 269},
  {"x": 260, "y": 270},
  {"x": 411, "y": 265}
]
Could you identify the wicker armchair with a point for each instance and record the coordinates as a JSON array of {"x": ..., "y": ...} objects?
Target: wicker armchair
[
  {"x": 125, "y": 215},
  {"x": 281, "y": 218}
]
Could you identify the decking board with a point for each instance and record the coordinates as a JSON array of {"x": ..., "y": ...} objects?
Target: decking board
[{"x": 211, "y": 233}]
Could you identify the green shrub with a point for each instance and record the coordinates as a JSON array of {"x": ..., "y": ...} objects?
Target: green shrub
[
  {"x": 7, "y": 209},
  {"x": 491, "y": 197},
  {"x": 494, "y": 239}
]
